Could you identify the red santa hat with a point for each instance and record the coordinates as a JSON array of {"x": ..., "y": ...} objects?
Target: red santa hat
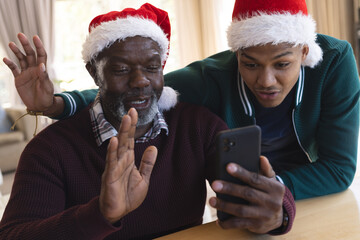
[
  {"x": 258, "y": 22},
  {"x": 147, "y": 21}
]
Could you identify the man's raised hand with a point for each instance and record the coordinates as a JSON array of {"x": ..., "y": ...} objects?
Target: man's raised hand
[
  {"x": 123, "y": 186},
  {"x": 31, "y": 79}
]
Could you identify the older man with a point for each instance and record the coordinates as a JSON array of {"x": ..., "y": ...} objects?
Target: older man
[{"x": 77, "y": 180}]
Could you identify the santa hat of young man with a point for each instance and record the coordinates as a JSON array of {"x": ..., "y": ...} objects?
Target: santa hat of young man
[
  {"x": 147, "y": 21},
  {"x": 258, "y": 22}
]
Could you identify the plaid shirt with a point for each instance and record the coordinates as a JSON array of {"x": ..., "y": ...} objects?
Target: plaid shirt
[{"x": 103, "y": 130}]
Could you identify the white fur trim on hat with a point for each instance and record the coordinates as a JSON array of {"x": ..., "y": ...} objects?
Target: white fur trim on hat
[
  {"x": 298, "y": 29},
  {"x": 104, "y": 35},
  {"x": 168, "y": 99}
]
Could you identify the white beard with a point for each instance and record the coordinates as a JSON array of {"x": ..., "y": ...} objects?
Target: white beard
[{"x": 118, "y": 110}]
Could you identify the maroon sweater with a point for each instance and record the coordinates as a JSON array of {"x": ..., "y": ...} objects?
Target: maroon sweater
[{"x": 57, "y": 184}]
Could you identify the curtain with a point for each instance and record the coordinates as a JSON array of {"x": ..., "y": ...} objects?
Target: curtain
[
  {"x": 334, "y": 17},
  {"x": 189, "y": 37},
  {"x": 32, "y": 17},
  {"x": 202, "y": 28}
]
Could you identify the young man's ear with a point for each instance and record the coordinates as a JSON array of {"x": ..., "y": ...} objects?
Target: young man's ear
[
  {"x": 92, "y": 71},
  {"x": 237, "y": 54},
  {"x": 305, "y": 52}
]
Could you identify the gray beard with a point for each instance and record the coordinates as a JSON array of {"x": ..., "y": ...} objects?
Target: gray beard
[
  {"x": 116, "y": 106},
  {"x": 118, "y": 110}
]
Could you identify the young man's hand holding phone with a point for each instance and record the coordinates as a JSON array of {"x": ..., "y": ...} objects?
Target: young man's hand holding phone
[
  {"x": 245, "y": 200},
  {"x": 240, "y": 146}
]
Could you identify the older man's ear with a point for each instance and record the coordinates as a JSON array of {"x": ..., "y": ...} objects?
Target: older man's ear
[{"x": 92, "y": 71}]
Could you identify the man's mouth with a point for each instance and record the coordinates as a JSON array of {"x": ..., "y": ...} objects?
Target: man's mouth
[
  {"x": 138, "y": 104},
  {"x": 268, "y": 95}
]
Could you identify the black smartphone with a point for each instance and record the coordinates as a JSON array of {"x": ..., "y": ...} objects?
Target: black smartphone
[{"x": 241, "y": 146}]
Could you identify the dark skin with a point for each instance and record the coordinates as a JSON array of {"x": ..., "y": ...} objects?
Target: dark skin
[
  {"x": 31, "y": 79},
  {"x": 271, "y": 71},
  {"x": 263, "y": 192},
  {"x": 134, "y": 64},
  {"x": 129, "y": 66}
]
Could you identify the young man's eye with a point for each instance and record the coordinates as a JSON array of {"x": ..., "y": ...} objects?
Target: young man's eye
[
  {"x": 250, "y": 65},
  {"x": 283, "y": 64}
]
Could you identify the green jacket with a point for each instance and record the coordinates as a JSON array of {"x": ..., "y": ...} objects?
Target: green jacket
[{"x": 325, "y": 117}]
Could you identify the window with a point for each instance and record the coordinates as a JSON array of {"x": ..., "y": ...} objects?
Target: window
[{"x": 6, "y": 81}]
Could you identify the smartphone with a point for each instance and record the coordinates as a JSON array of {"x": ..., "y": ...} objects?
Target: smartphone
[{"x": 241, "y": 146}]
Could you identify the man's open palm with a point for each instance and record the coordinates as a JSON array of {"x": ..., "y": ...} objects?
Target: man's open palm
[
  {"x": 31, "y": 80},
  {"x": 124, "y": 187}
]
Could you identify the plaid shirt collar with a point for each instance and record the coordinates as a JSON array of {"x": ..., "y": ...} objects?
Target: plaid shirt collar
[{"x": 103, "y": 130}]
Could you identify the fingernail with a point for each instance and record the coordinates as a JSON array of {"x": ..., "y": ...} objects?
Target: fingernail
[
  {"x": 232, "y": 168},
  {"x": 217, "y": 186},
  {"x": 212, "y": 202},
  {"x": 42, "y": 66}
]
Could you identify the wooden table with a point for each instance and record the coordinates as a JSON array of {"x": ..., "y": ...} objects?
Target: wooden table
[{"x": 335, "y": 216}]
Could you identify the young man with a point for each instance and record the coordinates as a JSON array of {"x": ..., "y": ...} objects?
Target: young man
[
  {"x": 77, "y": 180},
  {"x": 302, "y": 88}
]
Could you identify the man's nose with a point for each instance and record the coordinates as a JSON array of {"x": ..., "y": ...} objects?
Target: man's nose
[
  {"x": 266, "y": 78},
  {"x": 138, "y": 79}
]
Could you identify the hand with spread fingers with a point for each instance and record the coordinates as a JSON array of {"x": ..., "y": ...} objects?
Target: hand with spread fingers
[
  {"x": 31, "y": 79},
  {"x": 123, "y": 186},
  {"x": 263, "y": 192}
]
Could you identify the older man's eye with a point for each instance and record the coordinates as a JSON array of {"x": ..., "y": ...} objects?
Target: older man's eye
[
  {"x": 120, "y": 70},
  {"x": 153, "y": 68}
]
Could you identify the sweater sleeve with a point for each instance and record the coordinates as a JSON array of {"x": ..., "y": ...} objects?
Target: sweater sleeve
[
  {"x": 289, "y": 208},
  {"x": 41, "y": 207},
  {"x": 79, "y": 222},
  {"x": 75, "y": 101},
  {"x": 206, "y": 82}
]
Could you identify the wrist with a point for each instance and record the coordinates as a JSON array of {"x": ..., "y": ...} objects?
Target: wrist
[
  {"x": 56, "y": 108},
  {"x": 285, "y": 222},
  {"x": 288, "y": 214},
  {"x": 282, "y": 224}
]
